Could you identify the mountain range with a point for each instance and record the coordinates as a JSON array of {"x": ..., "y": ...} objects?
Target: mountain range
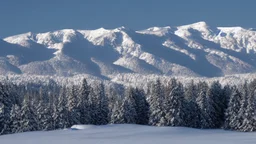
[{"x": 189, "y": 50}]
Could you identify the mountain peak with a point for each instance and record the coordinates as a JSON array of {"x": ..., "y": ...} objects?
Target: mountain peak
[
  {"x": 197, "y": 25},
  {"x": 200, "y": 23}
]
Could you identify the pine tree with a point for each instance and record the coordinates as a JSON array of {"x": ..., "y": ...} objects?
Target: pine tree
[
  {"x": 231, "y": 114},
  {"x": 244, "y": 104},
  {"x": 249, "y": 120},
  {"x": 41, "y": 108},
  {"x": 93, "y": 106},
  {"x": 74, "y": 117},
  {"x": 141, "y": 106},
  {"x": 129, "y": 107},
  {"x": 83, "y": 103},
  {"x": 48, "y": 120},
  {"x": 61, "y": 111},
  {"x": 205, "y": 106},
  {"x": 15, "y": 117},
  {"x": 28, "y": 121},
  {"x": 102, "y": 106},
  {"x": 217, "y": 100},
  {"x": 155, "y": 100},
  {"x": 175, "y": 111},
  {"x": 192, "y": 108},
  {"x": 6, "y": 106},
  {"x": 117, "y": 114},
  {"x": 2, "y": 118}
]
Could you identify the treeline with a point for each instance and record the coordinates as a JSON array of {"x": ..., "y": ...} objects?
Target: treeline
[{"x": 33, "y": 107}]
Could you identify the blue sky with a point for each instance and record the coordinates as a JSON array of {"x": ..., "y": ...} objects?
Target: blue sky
[{"x": 20, "y": 16}]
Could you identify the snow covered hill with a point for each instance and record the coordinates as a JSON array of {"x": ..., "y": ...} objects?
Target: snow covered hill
[
  {"x": 127, "y": 134},
  {"x": 190, "y": 50}
]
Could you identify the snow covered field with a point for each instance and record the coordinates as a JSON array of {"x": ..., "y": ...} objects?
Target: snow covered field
[{"x": 130, "y": 134}]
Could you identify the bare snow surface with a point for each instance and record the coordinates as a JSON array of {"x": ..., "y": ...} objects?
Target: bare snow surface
[{"x": 130, "y": 134}]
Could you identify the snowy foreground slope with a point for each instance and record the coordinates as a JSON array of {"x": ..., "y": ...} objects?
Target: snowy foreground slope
[
  {"x": 189, "y": 50},
  {"x": 127, "y": 134}
]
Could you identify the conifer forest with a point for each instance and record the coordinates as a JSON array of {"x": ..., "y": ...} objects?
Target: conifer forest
[{"x": 34, "y": 107}]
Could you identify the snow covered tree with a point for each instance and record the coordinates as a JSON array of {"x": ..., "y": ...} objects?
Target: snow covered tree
[
  {"x": 129, "y": 107},
  {"x": 5, "y": 106},
  {"x": 155, "y": 100},
  {"x": 117, "y": 113},
  {"x": 205, "y": 106},
  {"x": 102, "y": 106},
  {"x": 93, "y": 106},
  {"x": 249, "y": 119},
  {"x": 2, "y": 118},
  {"x": 175, "y": 111},
  {"x": 231, "y": 114},
  {"x": 60, "y": 115},
  {"x": 244, "y": 104},
  {"x": 141, "y": 106},
  {"x": 28, "y": 121},
  {"x": 48, "y": 119},
  {"x": 83, "y": 103},
  {"x": 192, "y": 108},
  {"x": 217, "y": 100},
  {"x": 41, "y": 107},
  {"x": 15, "y": 117},
  {"x": 74, "y": 117}
]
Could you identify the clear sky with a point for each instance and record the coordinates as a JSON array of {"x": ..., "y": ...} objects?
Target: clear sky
[{"x": 20, "y": 16}]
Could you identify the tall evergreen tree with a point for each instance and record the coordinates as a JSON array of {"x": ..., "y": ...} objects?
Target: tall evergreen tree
[
  {"x": 6, "y": 106},
  {"x": 129, "y": 107},
  {"x": 231, "y": 114},
  {"x": 175, "y": 111},
  {"x": 205, "y": 106},
  {"x": 60, "y": 116},
  {"x": 74, "y": 117},
  {"x": 117, "y": 113},
  {"x": 93, "y": 106},
  {"x": 217, "y": 100},
  {"x": 249, "y": 119},
  {"x": 155, "y": 100},
  {"x": 15, "y": 119},
  {"x": 192, "y": 108},
  {"x": 28, "y": 121},
  {"x": 83, "y": 103},
  {"x": 102, "y": 106},
  {"x": 141, "y": 106},
  {"x": 244, "y": 103}
]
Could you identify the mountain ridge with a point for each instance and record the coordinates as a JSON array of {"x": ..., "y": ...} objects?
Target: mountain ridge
[{"x": 189, "y": 50}]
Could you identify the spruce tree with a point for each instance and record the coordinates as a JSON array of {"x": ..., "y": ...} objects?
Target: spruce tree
[
  {"x": 83, "y": 103},
  {"x": 155, "y": 100},
  {"x": 192, "y": 108},
  {"x": 60, "y": 116},
  {"x": 231, "y": 114},
  {"x": 217, "y": 100},
  {"x": 6, "y": 106},
  {"x": 175, "y": 111},
  {"x": 117, "y": 114},
  {"x": 249, "y": 119},
  {"x": 102, "y": 106},
  {"x": 205, "y": 106},
  {"x": 244, "y": 104},
  {"x": 129, "y": 107},
  {"x": 141, "y": 106},
  {"x": 74, "y": 117},
  {"x": 15, "y": 117},
  {"x": 28, "y": 120}
]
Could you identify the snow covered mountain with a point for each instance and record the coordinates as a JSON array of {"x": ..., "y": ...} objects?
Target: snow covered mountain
[{"x": 190, "y": 50}]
